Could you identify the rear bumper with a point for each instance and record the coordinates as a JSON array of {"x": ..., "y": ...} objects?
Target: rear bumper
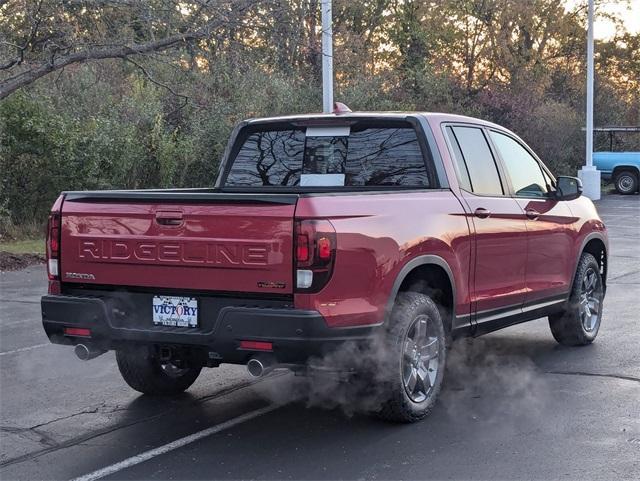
[{"x": 297, "y": 335}]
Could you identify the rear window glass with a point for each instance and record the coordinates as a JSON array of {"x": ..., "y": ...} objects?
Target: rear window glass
[
  {"x": 360, "y": 157},
  {"x": 478, "y": 159}
]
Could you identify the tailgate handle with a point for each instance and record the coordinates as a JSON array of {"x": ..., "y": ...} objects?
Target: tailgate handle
[{"x": 169, "y": 218}]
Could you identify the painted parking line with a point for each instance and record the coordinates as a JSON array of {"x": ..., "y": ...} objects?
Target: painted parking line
[
  {"x": 152, "y": 453},
  {"x": 22, "y": 349},
  {"x": 20, "y": 301}
]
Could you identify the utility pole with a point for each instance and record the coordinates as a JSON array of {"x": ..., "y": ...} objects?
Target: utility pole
[
  {"x": 327, "y": 58},
  {"x": 589, "y": 162},
  {"x": 589, "y": 175}
]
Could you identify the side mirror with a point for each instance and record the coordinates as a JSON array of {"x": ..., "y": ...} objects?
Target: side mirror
[{"x": 568, "y": 188}]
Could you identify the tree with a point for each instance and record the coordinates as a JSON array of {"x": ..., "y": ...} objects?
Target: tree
[
  {"x": 142, "y": 94},
  {"x": 42, "y": 37}
]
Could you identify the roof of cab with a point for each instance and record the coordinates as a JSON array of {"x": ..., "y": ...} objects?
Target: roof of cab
[{"x": 436, "y": 117}]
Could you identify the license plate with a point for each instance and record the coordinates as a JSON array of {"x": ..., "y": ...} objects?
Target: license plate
[{"x": 175, "y": 311}]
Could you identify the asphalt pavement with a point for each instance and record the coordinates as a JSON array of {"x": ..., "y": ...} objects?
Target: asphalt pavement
[{"x": 515, "y": 405}]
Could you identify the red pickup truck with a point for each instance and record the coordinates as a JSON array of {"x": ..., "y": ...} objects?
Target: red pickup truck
[{"x": 389, "y": 231}]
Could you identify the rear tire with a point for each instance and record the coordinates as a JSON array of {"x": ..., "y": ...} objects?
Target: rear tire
[
  {"x": 579, "y": 324},
  {"x": 149, "y": 375},
  {"x": 626, "y": 182},
  {"x": 413, "y": 370}
]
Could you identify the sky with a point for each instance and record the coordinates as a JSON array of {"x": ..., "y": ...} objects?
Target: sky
[{"x": 629, "y": 11}]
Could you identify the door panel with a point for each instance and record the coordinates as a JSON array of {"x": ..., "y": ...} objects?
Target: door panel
[
  {"x": 550, "y": 259},
  {"x": 549, "y": 222},
  {"x": 501, "y": 247},
  {"x": 500, "y": 231}
]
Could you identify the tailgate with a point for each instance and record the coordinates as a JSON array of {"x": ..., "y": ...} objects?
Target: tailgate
[{"x": 227, "y": 245}]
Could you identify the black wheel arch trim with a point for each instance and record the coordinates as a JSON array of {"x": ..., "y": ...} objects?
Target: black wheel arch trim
[
  {"x": 422, "y": 260},
  {"x": 588, "y": 238}
]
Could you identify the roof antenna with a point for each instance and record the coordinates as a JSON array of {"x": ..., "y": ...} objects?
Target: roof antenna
[{"x": 340, "y": 108}]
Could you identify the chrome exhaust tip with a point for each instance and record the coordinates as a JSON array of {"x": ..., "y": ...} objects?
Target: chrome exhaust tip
[
  {"x": 261, "y": 365},
  {"x": 255, "y": 367},
  {"x": 86, "y": 353}
]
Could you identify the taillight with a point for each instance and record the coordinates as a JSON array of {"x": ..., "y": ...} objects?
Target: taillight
[
  {"x": 302, "y": 248},
  {"x": 324, "y": 248},
  {"x": 315, "y": 254},
  {"x": 53, "y": 245}
]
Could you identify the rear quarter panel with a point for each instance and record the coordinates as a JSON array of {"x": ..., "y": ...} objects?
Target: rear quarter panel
[{"x": 377, "y": 234}]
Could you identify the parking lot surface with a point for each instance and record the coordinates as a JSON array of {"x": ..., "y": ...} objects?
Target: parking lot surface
[{"x": 516, "y": 405}]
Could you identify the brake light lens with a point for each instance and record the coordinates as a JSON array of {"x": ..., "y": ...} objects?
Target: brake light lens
[
  {"x": 302, "y": 248},
  {"x": 53, "y": 245},
  {"x": 324, "y": 248},
  {"x": 315, "y": 254}
]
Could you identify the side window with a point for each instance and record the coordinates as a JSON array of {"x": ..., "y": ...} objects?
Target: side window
[
  {"x": 523, "y": 170},
  {"x": 463, "y": 172},
  {"x": 481, "y": 168}
]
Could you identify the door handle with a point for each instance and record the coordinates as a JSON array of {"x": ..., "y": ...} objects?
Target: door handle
[
  {"x": 532, "y": 214},
  {"x": 482, "y": 213},
  {"x": 169, "y": 218}
]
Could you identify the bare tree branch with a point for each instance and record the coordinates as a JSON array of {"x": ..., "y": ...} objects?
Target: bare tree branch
[
  {"x": 58, "y": 59},
  {"x": 21, "y": 48},
  {"x": 160, "y": 84}
]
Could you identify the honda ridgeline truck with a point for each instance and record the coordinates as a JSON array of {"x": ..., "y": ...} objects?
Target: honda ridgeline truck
[{"x": 395, "y": 230}]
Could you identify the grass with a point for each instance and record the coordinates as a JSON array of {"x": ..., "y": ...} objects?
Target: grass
[{"x": 27, "y": 246}]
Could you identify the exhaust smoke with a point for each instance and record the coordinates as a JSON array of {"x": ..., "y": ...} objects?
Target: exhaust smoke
[{"x": 496, "y": 367}]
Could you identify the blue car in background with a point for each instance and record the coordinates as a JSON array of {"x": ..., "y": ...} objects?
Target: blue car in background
[{"x": 623, "y": 168}]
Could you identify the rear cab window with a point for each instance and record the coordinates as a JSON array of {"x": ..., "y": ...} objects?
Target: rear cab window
[{"x": 362, "y": 154}]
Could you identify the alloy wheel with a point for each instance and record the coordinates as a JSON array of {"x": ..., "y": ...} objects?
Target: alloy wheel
[
  {"x": 420, "y": 359},
  {"x": 590, "y": 300}
]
